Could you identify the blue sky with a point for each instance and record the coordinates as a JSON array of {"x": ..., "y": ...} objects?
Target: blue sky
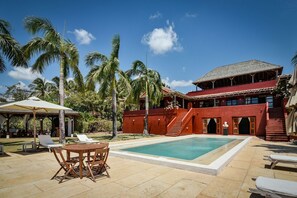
[{"x": 182, "y": 40}]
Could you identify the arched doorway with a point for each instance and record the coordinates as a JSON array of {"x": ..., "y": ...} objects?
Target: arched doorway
[
  {"x": 212, "y": 126},
  {"x": 244, "y": 126}
]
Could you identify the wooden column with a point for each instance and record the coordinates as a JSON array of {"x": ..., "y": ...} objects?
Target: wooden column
[
  {"x": 183, "y": 103},
  {"x": 231, "y": 80},
  {"x": 253, "y": 78},
  {"x": 213, "y": 84}
]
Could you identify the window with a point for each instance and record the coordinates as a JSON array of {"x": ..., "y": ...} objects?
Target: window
[
  {"x": 255, "y": 101},
  {"x": 269, "y": 99},
  {"x": 248, "y": 100},
  {"x": 232, "y": 102}
]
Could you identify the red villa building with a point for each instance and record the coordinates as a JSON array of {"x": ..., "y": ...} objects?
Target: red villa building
[{"x": 240, "y": 94}]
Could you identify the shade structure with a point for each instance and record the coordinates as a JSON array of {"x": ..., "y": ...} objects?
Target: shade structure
[
  {"x": 291, "y": 126},
  {"x": 35, "y": 105},
  {"x": 292, "y": 105}
]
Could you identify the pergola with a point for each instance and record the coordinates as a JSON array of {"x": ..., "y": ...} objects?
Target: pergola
[{"x": 8, "y": 114}]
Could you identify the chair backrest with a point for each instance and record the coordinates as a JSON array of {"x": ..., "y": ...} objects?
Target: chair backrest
[
  {"x": 82, "y": 137},
  {"x": 45, "y": 139},
  {"x": 60, "y": 157},
  {"x": 101, "y": 155}
]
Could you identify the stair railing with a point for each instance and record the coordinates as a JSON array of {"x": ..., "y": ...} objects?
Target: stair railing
[{"x": 171, "y": 123}]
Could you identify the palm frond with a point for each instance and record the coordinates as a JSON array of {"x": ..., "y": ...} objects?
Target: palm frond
[
  {"x": 44, "y": 26},
  {"x": 294, "y": 60},
  {"x": 115, "y": 46},
  {"x": 43, "y": 60},
  {"x": 38, "y": 45},
  {"x": 2, "y": 65},
  {"x": 12, "y": 50},
  {"x": 94, "y": 57},
  {"x": 4, "y": 27}
]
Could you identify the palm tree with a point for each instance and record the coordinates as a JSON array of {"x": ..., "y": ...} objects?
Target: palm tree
[
  {"x": 9, "y": 48},
  {"x": 41, "y": 88},
  {"x": 294, "y": 59},
  {"x": 52, "y": 47},
  {"x": 107, "y": 73},
  {"x": 146, "y": 81}
]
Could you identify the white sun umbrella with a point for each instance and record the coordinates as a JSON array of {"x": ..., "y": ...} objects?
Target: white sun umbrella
[
  {"x": 36, "y": 105},
  {"x": 291, "y": 105}
]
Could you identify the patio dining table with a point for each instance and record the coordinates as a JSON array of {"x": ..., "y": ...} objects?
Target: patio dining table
[{"x": 81, "y": 149}]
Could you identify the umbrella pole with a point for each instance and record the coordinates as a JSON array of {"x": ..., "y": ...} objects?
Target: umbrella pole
[{"x": 34, "y": 125}]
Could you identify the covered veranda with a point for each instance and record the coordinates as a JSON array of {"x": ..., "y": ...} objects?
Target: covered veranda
[{"x": 7, "y": 115}]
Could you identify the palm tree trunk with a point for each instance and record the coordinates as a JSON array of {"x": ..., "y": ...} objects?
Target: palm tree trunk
[
  {"x": 114, "y": 113},
  {"x": 61, "y": 112},
  {"x": 145, "y": 130}
]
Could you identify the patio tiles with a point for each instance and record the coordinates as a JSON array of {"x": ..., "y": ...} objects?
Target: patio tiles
[
  {"x": 151, "y": 188},
  {"x": 135, "y": 179},
  {"x": 183, "y": 188},
  {"x": 239, "y": 164},
  {"x": 221, "y": 187},
  {"x": 63, "y": 190},
  {"x": 106, "y": 191},
  {"x": 22, "y": 190},
  {"x": 173, "y": 176},
  {"x": 235, "y": 174},
  {"x": 29, "y": 175},
  {"x": 256, "y": 171}
]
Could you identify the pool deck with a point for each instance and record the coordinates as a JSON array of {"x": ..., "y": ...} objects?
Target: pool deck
[
  {"x": 218, "y": 159},
  {"x": 29, "y": 176}
]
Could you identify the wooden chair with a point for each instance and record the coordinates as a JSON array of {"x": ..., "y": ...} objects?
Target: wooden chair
[
  {"x": 97, "y": 165},
  {"x": 67, "y": 165},
  {"x": 106, "y": 145}
]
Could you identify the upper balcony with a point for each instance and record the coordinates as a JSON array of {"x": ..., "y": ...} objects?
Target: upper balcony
[{"x": 238, "y": 89}]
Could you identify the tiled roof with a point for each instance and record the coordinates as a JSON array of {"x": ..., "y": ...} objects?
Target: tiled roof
[
  {"x": 259, "y": 87},
  {"x": 237, "y": 69}
]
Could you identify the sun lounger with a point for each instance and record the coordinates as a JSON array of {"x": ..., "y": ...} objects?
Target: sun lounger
[
  {"x": 275, "y": 188},
  {"x": 47, "y": 142},
  {"x": 85, "y": 140},
  {"x": 1, "y": 149},
  {"x": 282, "y": 159}
]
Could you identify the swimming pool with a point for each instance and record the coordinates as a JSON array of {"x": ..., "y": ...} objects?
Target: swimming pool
[
  {"x": 211, "y": 162},
  {"x": 186, "y": 149}
]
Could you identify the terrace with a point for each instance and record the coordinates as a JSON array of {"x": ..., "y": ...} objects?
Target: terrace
[{"x": 28, "y": 175}]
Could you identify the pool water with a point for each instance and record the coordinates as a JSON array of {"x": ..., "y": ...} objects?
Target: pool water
[{"x": 186, "y": 149}]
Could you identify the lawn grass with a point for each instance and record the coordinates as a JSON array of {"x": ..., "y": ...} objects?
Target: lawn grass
[{"x": 15, "y": 144}]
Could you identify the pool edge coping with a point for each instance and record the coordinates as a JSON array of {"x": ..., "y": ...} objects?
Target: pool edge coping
[{"x": 213, "y": 168}]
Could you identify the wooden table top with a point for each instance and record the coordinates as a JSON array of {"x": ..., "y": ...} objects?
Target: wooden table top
[{"x": 83, "y": 147}]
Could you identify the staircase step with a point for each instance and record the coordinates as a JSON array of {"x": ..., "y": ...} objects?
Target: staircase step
[{"x": 276, "y": 128}]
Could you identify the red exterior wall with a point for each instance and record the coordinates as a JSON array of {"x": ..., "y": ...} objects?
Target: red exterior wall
[
  {"x": 226, "y": 114},
  {"x": 133, "y": 121},
  {"x": 160, "y": 118}
]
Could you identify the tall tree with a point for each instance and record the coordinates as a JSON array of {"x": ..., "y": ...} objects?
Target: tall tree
[
  {"x": 9, "y": 48},
  {"x": 17, "y": 92},
  {"x": 294, "y": 59},
  {"x": 52, "y": 47},
  {"x": 107, "y": 73},
  {"x": 145, "y": 81},
  {"x": 41, "y": 88}
]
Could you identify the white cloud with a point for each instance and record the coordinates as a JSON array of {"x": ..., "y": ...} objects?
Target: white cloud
[
  {"x": 155, "y": 16},
  {"x": 82, "y": 36},
  {"x": 20, "y": 73},
  {"x": 69, "y": 79},
  {"x": 21, "y": 85},
  {"x": 162, "y": 40},
  {"x": 190, "y": 15},
  {"x": 177, "y": 83},
  {"x": 184, "y": 69}
]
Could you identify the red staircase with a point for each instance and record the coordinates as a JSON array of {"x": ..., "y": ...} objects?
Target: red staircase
[
  {"x": 276, "y": 128},
  {"x": 175, "y": 130}
]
